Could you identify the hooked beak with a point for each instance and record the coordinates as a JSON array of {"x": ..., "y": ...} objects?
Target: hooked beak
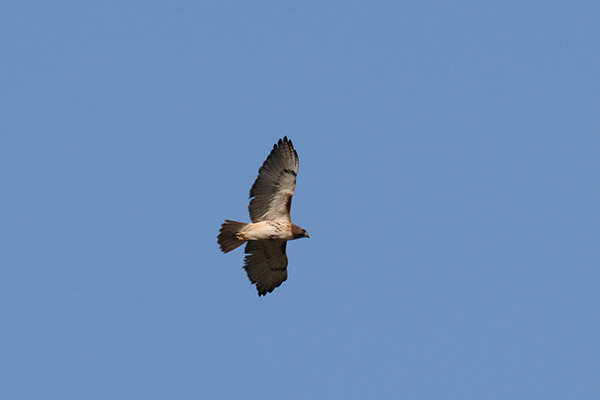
[{"x": 306, "y": 235}]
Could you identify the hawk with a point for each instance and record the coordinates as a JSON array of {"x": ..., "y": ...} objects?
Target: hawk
[{"x": 267, "y": 235}]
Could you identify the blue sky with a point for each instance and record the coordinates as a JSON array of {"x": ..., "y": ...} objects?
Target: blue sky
[{"x": 448, "y": 179}]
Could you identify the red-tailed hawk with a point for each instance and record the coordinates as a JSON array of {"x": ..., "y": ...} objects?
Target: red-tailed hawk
[{"x": 271, "y": 227}]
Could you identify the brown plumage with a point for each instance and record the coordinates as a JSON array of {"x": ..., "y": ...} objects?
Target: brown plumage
[{"x": 267, "y": 235}]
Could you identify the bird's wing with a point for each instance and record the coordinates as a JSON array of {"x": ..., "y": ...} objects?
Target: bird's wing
[
  {"x": 271, "y": 193},
  {"x": 266, "y": 264}
]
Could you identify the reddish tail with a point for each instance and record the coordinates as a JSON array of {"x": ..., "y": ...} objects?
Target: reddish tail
[{"x": 227, "y": 237}]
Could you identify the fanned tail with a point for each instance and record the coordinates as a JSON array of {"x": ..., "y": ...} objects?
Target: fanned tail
[{"x": 227, "y": 237}]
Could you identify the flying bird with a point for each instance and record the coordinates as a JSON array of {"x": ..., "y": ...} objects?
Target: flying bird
[{"x": 267, "y": 235}]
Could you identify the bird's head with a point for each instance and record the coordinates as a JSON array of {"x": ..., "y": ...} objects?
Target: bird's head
[{"x": 299, "y": 232}]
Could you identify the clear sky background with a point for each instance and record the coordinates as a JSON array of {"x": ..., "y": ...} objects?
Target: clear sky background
[{"x": 449, "y": 179}]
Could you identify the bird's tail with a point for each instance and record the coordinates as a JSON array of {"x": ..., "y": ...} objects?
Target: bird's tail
[{"x": 228, "y": 239}]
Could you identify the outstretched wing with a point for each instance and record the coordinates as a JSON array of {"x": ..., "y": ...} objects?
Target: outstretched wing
[
  {"x": 271, "y": 194},
  {"x": 266, "y": 264}
]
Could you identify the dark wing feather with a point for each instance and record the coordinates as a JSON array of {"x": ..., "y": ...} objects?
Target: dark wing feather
[
  {"x": 266, "y": 264},
  {"x": 271, "y": 194}
]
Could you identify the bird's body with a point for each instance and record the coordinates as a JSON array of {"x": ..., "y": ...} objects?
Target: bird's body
[
  {"x": 267, "y": 230},
  {"x": 267, "y": 235}
]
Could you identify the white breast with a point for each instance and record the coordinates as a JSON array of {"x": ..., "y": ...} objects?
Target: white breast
[{"x": 268, "y": 230}]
